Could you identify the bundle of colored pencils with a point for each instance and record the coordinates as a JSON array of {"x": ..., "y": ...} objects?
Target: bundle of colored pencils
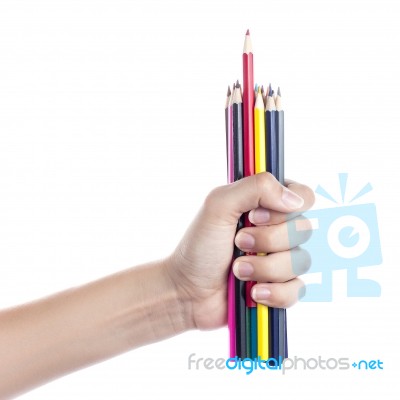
[{"x": 254, "y": 122}]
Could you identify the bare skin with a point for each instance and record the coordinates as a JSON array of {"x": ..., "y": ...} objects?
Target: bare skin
[{"x": 53, "y": 336}]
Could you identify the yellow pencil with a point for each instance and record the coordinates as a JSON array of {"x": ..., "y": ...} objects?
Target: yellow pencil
[
  {"x": 261, "y": 166},
  {"x": 259, "y": 134}
]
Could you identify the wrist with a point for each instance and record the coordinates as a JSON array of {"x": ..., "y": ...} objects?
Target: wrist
[
  {"x": 179, "y": 299},
  {"x": 158, "y": 303}
]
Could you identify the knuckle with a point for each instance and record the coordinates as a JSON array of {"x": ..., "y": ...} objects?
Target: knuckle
[
  {"x": 278, "y": 271},
  {"x": 301, "y": 261},
  {"x": 306, "y": 235},
  {"x": 213, "y": 198},
  {"x": 306, "y": 223},
  {"x": 307, "y": 230},
  {"x": 301, "y": 231},
  {"x": 312, "y": 196},
  {"x": 307, "y": 261},
  {"x": 287, "y": 294},
  {"x": 278, "y": 298},
  {"x": 267, "y": 270},
  {"x": 264, "y": 181},
  {"x": 269, "y": 238},
  {"x": 301, "y": 291},
  {"x": 309, "y": 196}
]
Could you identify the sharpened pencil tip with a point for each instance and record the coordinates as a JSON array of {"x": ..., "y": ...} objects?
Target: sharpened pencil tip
[
  {"x": 279, "y": 91},
  {"x": 248, "y": 32},
  {"x": 237, "y": 83},
  {"x": 269, "y": 87},
  {"x": 229, "y": 92}
]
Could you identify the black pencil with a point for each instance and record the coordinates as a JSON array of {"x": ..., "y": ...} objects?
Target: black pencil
[
  {"x": 270, "y": 140},
  {"x": 238, "y": 171},
  {"x": 270, "y": 134}
]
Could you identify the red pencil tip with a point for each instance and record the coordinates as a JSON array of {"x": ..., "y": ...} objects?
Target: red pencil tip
[{"x": 248, "y": 32}]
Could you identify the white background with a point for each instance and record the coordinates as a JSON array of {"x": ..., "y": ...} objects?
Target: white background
[{"x": 112, "y": 132}]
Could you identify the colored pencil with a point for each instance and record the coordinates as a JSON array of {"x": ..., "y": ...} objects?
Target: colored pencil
[
  {"x": 263, "y": 94},
  {"x": 248, "y": 145},
  {"x": 248, "y": 104},
  {"x": 229, "y": 133},
  {"x": 231, "y": 313},
  {"x": 231, "y": 277},
  {"x": 277, "y": 317},
  {"x": 254, "y": 122},
  {"x": 270, "y": 132},
  {"x": 255, "y": 91},
  {"x": 238, "y": 170},
  {"x": 280, "y": 132},
  {"x": 259, "y": 135},
  {"x": 262, "y": 339},
  {"x": 283, "y": 347},
  {"x": 260, "y": 166}
]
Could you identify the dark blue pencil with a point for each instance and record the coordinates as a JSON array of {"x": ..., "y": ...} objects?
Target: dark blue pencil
[
  {"x": 271, "y": 136},
  {"x": 238, "y": 172},
  {"x": 273, "y": 131}
]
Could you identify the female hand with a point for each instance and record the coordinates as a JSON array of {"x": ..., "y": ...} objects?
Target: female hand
[{"x": 200, "y": 264}]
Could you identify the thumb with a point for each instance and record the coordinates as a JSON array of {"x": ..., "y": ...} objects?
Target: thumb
[{"x": 226, "y": 204}]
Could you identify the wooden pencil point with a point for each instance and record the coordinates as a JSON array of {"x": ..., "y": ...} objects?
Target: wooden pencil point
[
  {"x": 247, "y": 32},
  {"x": 278, "y": 101},
  {"x": 247, "y": 48}
]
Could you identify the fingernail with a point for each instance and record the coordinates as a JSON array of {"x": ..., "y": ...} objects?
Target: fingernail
[
  {"x": 243, "y": 270},
  {"x": 260, "y": 293},
  {"x": 291, "y": 199},
  {"x": 245, "y": 241},
  {"x": 259, "y": 216}
]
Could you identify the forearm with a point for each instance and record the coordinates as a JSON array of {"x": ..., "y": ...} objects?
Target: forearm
[{"x": 48, "y": 338}]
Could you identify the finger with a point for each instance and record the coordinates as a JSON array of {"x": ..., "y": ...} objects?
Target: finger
[
  {"x": 275, "y": 267},
  {"x": 263, "y": 216},
  {"x": 274, "y": 238},
  {"x": 226, "y": 204},
  {"x": 278, "y": 295}
]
